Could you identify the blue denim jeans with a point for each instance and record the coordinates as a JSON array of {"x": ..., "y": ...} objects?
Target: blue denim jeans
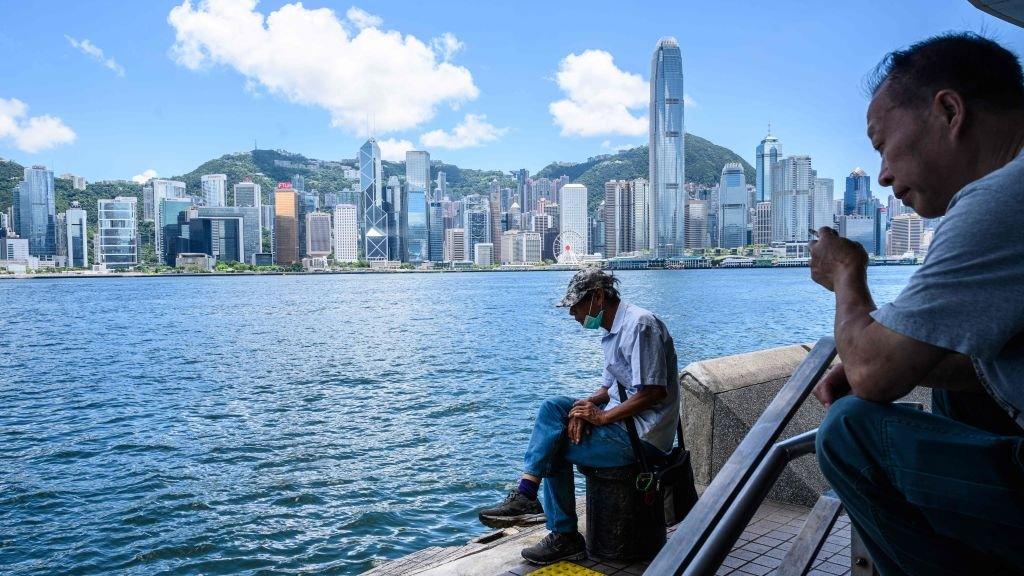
[
  {"x": 551, "y": 456},
  {"x": 929, "y": 493}
]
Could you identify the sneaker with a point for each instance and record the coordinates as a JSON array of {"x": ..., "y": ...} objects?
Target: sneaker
[
  {"x": 516, "y": 510},
  {"x": 555, "y": 547}
]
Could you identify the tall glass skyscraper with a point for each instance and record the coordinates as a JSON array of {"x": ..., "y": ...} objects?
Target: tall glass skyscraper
[
  {"x": 374, "y": 224},
  {"x": 857, "y": 198},
  {"x": 436, "y": 219},
  {"x": 215, "y": 188},
  {"x": 667, "y": 163},
  {"x": 35, "y": 213},
  {"x": 417, "y": 184},
  {"x": 732, "y": 202},
  {"x": 75, "y": 236},
  {"x": 769, "y": 151}
]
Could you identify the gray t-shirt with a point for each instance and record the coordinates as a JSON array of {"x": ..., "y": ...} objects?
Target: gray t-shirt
[
  {"x": 638, "y": 352},
  {"x": 968, "y": 296}
]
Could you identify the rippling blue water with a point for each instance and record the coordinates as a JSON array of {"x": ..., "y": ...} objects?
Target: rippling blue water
[{"x": 298, "y": 424}]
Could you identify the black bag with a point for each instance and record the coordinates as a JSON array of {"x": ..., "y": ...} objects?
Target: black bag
[{"x": 670, "y": 475}]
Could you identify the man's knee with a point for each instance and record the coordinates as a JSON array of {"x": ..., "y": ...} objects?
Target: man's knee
[
  {"x": 843, "y": 433},
  {"x": 556, "y": 407}
]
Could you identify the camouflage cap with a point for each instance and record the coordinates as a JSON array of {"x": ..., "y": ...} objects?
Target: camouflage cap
[{"x": 587, "y": 279}]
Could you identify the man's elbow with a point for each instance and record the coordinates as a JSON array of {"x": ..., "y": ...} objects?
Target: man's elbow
[{"x": 876, "y": 384}]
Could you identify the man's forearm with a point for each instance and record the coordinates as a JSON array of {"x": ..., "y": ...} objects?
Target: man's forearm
[
  {"x": 646, "y": 398},
  {"x": 599, "y": 397},
  {"x": 854, "y": 306}
]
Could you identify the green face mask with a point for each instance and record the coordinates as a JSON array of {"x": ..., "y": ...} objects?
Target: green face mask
[{"x": 593, "y": 322}]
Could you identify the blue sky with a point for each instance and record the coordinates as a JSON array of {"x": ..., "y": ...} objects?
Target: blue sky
[{"x": 110, "y": 89}]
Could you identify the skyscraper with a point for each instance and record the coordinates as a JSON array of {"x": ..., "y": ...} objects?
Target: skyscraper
[
  {"x": 318, "y": 234},
  {"x": 762, "y": 224},
  {"x": 733, "y": 209},
  {"x": 792, "y": 181},
  {"x": 247, "y": 193},
  {"x": 857, "y": 198},
  {"x": 573, "y": 218},
  {"x": 525, "y": 203},
  {"x": 476, "y": 222},
  {"x": 696, "y": 214},
  {"x": 860, "y": 229},
  {"x": 436, "y": 216},
  {"x": 374, "y": 224},
  {"x": 397, "y": 209},
  {"x": 769, "y": 151},
  {"x": 906, "y": 234},
  {"x": 417, "y": 184},
  {"x": 156, "y": 190},
  {"x": 118, "y": 234},
  {"x": 77, "y": 248},
  {"x": 234, "y": 233},
  {"x": 214, "y": 189},
  {"x": 442, "y": 186},
  {"x": 299, "y": 182},
  {"x": 35, "y": 213},
  {"x": 455, "y": 245},
  {"x": 171, "y": 229},
  {"x": 822, "y": 203},
  {"x": 346, "y": 233},
  {"x": 641, "y": 214},
  {"x": 286, "y": 224},
  {"x": 619, "y": 236},
  {"x": 667, "y": 168}
]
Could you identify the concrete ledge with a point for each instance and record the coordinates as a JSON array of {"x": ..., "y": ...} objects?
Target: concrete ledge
[{"x": 723, "y": 397}]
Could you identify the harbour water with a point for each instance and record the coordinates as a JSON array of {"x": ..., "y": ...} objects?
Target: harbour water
[{"x": 311, "y": 424}]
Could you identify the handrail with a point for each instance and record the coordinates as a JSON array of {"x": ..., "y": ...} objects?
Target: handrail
[{"x": 714, "y": 504}]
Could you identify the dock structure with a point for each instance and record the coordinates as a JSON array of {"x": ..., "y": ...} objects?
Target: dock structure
[
  {"x": 764, "y": 506},
  {"x": 759, "y": 551}
]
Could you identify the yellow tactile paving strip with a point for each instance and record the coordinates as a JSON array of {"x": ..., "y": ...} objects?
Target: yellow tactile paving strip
[{"x": 564, "y": 568}]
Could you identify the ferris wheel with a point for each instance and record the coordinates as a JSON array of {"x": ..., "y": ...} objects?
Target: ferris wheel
[{"x": 569, "y": 247}]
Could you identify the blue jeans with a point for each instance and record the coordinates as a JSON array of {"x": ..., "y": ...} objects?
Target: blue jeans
[
  {"x": 551, "y": 456},
  {"x": 929, "y": 493}
]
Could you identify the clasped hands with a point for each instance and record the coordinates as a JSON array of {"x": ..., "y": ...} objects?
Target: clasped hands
[{"x": 583, "y": 416}]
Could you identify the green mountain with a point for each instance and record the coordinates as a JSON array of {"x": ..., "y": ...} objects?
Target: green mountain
[{"x": 704, "y": 162}]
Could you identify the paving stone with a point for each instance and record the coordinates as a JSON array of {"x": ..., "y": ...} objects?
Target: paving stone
[{"x": 754, "y": 569}]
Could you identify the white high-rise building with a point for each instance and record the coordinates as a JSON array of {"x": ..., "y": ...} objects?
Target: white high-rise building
[
  {"x": 346, "y": 233},
  {"x": 667, "y": 169},
  {"x": 696, "y": 224},
  {"x": 572, "y": 218},
  {"x": 822, "y": 203},
  {"x": 156, "y": 190},
  {"x": 907, "y": 230},
  {"x": 455, "y": 245},
  {"x": 215, "y": 187},
  {"x": 762, "y": 225},
  {"x": 792, "y": 183}
]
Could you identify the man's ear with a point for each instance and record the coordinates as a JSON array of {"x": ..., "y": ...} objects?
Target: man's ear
[{"x": 950, "y": 106}]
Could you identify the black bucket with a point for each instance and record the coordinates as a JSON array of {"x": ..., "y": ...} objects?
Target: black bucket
[{"x": 620, "y": 525}]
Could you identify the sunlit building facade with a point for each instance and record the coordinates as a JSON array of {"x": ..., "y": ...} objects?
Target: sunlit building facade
[
  {"x": 215, "y": 188},
  {"x": 374, "y": 224},
  {"x": 286, "y": 225},
  {"x": 117, "y": 237},
  {"x": 35, "y": 211},
  {"x": 732, "y": 207}
]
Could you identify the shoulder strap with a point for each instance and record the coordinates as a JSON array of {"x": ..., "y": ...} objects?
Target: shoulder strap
[{"x": 634, "y": 438}]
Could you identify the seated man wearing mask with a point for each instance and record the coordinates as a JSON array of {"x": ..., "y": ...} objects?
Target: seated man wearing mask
[{"x": 639, "y": 353}]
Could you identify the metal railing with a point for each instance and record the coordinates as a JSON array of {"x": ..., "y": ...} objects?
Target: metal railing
[{"x": 703, "y": 540}]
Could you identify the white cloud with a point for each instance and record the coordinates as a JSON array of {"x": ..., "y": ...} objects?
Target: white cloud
[
  {"x": 600, "y": 97},
  {"x": 374, "y": 78},
  {"x": 474, "y": 130},
  {"x": 447, "y": 45},
  {"x": 146, "y": 176},
  {"x": 363, "y": 19},
  {"x": 33, "y": 134},
  {"x": 93, "y": 51},
  {"x": 394, "y": 149}
]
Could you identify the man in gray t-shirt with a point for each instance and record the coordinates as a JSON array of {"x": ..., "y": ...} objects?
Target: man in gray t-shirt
[{"x": 939, "y": 493}]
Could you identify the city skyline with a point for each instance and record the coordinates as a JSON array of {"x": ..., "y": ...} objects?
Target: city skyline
[{"x": 140, "y": 82}]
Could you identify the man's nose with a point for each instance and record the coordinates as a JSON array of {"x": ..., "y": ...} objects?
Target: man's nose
[{"x": 884, "y": 175}]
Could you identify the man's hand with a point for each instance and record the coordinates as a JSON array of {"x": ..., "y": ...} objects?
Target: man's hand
[
  {"x": 577, "y": 430},
  {"x": 587, "y": 411},
  {"x": 832, "y": 386},
  {"x": 833, "y": 257}
]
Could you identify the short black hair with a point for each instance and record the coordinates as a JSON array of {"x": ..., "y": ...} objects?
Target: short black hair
[{"x": 978, "y": 68}]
